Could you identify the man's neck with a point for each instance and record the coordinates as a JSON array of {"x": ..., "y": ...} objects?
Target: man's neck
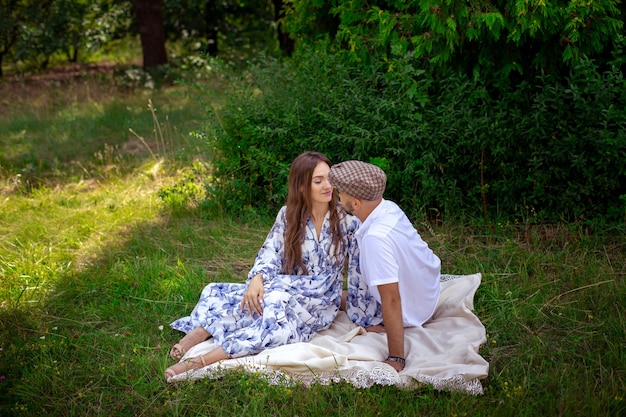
[{"x": 367, "y": 207}]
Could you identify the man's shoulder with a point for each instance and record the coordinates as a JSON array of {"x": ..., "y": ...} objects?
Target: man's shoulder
[
  {"x": 385, "y": 218},
  {"x": 390, "y": 206},
  {"x": 378, "y": 235}
]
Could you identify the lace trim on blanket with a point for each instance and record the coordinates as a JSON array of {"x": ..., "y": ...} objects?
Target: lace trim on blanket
[{"x": 359, "y": 378}]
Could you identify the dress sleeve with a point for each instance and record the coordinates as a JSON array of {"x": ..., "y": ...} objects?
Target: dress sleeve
[
  {"x": 354, "y": 270},
  {"x": 269, "y": 259},
  {"x": 361, "y": 307}
]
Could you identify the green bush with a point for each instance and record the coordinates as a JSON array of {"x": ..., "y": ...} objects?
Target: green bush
[
  {"x": 565, "y": 153},
  {"x": 546, "y": 150}
]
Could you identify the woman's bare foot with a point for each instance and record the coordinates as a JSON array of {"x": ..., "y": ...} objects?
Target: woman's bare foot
[
  {"x": 177, "y": 351},
  {"x": 191, "y": 339},
  {"x": 179, "y": 368},
  {"x": 213, "y": 356}
]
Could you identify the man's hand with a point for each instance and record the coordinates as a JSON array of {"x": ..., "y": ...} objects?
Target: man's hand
[
  {"x": 378, "y": 328},
  {"x": 253, "y": 297},
  {"x": 398, "y": 366}
]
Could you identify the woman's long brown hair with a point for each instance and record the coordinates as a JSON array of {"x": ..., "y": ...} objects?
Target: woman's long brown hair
[{"x": 299, "y": 206}]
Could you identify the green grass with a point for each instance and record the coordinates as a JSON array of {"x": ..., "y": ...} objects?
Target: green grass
[{"x": 93, "y": 267}]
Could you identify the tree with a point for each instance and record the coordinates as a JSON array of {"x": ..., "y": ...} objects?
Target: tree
[
  {"x": 151, "y": 32},
  {"x": 286, "y": 43},
  {"x": 197, "y": 22},
  {"x": 10, "y": 16},
  {"x": 36, "y": 31},
  {"x": 16, "y": 16},
  {"x": 206, "y": 25},
  {"x": 212, "y": 17},
  {"x": 61, "y": 30},
  {"x": 499, "y": 37}
]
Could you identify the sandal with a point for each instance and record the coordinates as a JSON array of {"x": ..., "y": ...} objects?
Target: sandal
[
  {"x": 185, "y": 366},
  {"x": 177, "y": 352}
]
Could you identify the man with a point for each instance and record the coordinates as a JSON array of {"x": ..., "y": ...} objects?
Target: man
[{"x": 400, "y": 274}]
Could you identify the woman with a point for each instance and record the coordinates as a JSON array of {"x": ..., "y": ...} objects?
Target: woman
[{"x": 294, "y": 287}]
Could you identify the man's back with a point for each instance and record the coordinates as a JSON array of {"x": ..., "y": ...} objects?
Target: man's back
[{"x": 393, "y": 251}]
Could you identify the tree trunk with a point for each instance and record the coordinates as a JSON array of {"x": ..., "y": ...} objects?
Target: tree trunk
[
  {"x": 286, "y": 44},
  {"x": 210, "y": 27},
  {"x": 151, "y": 32},
  {"x": 9, "y": 41},
  {"x": 72, "y": 54}
]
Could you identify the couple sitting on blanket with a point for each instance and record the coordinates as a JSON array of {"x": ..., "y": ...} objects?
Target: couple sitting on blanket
[{"x": 294, "y": 289}]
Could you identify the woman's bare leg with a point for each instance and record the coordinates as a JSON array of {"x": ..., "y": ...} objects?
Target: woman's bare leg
[
  {"x": 213, "y": 356},
  {"x": 191, "y": 339},
  {"x": 344, "y": 296}
]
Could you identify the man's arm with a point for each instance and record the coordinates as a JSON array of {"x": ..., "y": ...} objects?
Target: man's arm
[{"x": 392, "y": 319}]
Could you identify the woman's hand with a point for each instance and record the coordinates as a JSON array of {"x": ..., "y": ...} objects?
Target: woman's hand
[{"x": 253, "y": 297}]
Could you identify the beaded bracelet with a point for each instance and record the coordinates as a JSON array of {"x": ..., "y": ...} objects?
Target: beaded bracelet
[{"x": 401, "y": 361}]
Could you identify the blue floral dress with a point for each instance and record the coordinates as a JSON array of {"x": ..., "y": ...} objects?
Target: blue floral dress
[{"x": 295, "y": 307}]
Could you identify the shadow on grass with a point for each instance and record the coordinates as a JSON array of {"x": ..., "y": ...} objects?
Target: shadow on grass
[
  {"x": 95, "y": 341},
  {"x": 98, "y": 344}
]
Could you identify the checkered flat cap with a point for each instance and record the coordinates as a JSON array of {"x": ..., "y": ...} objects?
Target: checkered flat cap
[{"x": 358, "y": 179}]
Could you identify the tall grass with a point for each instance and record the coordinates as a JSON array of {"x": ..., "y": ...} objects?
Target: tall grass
[{"x": 94, "y": 265}]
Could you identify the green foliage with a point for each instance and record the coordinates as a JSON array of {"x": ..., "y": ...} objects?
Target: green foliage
[
  {"x": 550, "y": 150},
  {"x": 553, "y": 148},
  {"x": 34, "y": 35},
  {"x": 497, "y": 37},
  {"x": 309, "y": 21},
  {"x": 211, "y": 27},
  {"x": 42, "y": 30},
  {"x": 254, "y": 140},
  {"x": 187, "y": 192},
  {"x": 15, "y": 16},
  {"x": 499, "y": 107}
]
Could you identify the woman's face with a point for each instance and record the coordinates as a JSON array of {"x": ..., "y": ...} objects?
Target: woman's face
[{"x": 321, "y": 190}]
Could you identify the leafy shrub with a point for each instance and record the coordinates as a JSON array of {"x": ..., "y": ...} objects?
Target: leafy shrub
[{"x": 550, "y": 149}]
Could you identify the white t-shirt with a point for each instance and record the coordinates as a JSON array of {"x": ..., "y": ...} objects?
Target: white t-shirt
[{"x": 393, "y": 251}]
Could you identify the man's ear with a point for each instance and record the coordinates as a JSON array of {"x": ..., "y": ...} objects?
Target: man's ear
[{"x": 356, "y": 203}]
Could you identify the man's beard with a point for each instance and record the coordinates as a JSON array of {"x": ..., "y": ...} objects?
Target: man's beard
[{"x": 349, "y": 207}]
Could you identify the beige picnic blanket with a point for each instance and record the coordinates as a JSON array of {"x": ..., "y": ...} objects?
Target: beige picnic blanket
[{"x": 443, "y": 353}]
